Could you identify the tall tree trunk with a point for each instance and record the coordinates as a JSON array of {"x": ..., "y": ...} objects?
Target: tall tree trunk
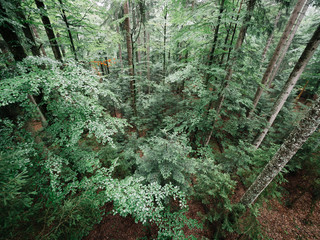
[
  {"x": 130, "y": 57},
  {"x": 292, "y": 80},
  {"x": 120, "y": 51},
  {"x": 288, "y": 43},
  {"x": 287, "y": 150},
  {"x": 64, "y": 17},
  {"x": 164, "y": 41},
  {"x": 277, "y": 52},
  {"x": 35, "y": 32},
  {"x": 234, "y": 31},
  {"x": 49, "y": 30},
  {"x": 270, "y": 38}
]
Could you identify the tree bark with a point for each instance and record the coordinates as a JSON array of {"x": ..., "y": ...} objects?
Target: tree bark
[
  {"x": 120, "y": 51},
  {"x": 287, "y": 150},
  {"x": 49, "y": 30},
  {"x": 130, "y": 57},
  {"x": 64, "y": 17},
  {"x": 292, "y": 80},
  {"x": 277, "y": 52}
]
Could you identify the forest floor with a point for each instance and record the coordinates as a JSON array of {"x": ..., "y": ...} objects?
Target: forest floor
[{"x": 293, "y": 217}]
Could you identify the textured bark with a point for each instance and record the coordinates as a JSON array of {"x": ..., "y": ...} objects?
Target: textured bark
[
  {"x": 292, "y": 80},
  {"x": 9, "y": 35},
  {"x": 277, "y": 52},
  {"x": 65, "y": 19},
  {"x": 49, "y": 31},
  {"x": 288, "y": 149},
  {"x": 265, "y": 50},
  {"x": 288, "y": 43},
  {"x": 130, "y": 57},
  {"x": 35, "y": 32}
]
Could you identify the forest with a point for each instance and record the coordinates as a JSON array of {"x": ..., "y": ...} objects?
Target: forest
[{"x": 159, "y": 119}]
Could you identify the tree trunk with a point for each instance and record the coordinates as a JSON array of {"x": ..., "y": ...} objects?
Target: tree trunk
[
  {"x": 164, "y": 42},
  {"x": 288, "y": 43},
  {"x": 49, "y": 31},
  {"x": 292, "y": 80},
  {"x": 130, "y": 57},
  {"x": 277, "y": 52},
  {"x": 287, "y": 150},
  {"x": 35, "y": 32},
  {"x": 64, "y": 17},
  {"x": 61, "y": 46},
  {"x": 270, "y": 39},
  {"x": 120, "y": 51}
]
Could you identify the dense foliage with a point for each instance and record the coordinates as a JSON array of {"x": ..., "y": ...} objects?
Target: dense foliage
[{"x": 150, "y": 129}]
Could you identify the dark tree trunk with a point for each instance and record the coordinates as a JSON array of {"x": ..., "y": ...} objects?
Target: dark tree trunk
[
  {"x": 130, "y": 57},
  {"x": 64, "y": 17},
  {"x": 49, "y": 30}
]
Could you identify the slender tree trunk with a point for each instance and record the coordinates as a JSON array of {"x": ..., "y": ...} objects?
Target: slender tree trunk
[
  {"x": 234, "y": 31},
  {"x": 270, "y": 38},
  {"x": 164, "y": 41},
  {"x": 287, "y": 150},
  {"x": 35, "y": 32},
  {"x": 120, "y": 51},
  {"x": 277, "y": 52},
  {"x": 292, "y": 80},
  {"x": 288, "y": 43},
  {"x": 64, "y": 17},
  {"x": 49, "y": 30},
  {"x": 130, "y": 57}
]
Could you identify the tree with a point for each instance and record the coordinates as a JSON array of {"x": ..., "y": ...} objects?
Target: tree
[
  {"x": 292, "y": 80},
  {"x": 277, "y": 52},
  {"x": 287, "y": 150},
  {"x": 130, "y": 56},
  {"x": 64, "y": 17},
  {"x": 49, "y": 30}
]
